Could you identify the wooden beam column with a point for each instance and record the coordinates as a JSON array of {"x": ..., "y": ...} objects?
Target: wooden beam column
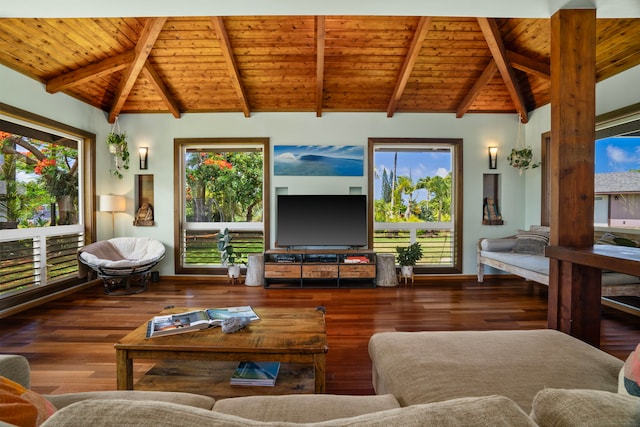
[{"x": 574, "y": 290}]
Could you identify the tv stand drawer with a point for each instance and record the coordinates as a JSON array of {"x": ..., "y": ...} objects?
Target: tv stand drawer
[
  {"x": 282, "y": 271},
  {"x": 320, "y": 271},
  {"x": 357, "y": 271}
]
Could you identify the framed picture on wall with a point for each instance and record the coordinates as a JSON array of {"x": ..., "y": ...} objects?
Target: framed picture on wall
[{"x": 318, "y": 160}]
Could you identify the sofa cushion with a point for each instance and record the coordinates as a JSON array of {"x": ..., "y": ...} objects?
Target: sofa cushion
[
  {"x": 304, "y": 407},
  {"x": 188, "y": 399},
  {"x": 631, "y": 374},
  {"x": 21, "y": 406},
  {"x": 555, "y": 407},
  {"x": 487, "y": 411},
  {"x": 537, "y": 263},
  {"x": 421, "y": 367}
]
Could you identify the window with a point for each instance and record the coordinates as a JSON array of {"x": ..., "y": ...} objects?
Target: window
[
  {"x": 221, "y": 184},
  {"x": 416, "y": 186},
  {"x": 45, "y": 214},
  {"x": 616, "y": 170},
  {"x": 617, "y": 175}
]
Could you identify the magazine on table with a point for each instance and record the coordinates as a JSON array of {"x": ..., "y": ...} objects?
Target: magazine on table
[
  {"x": 256, "y": 373},
  {"x": 180, "y": 323}
]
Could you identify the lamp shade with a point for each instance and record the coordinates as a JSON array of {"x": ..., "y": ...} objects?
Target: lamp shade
[{"x": 111, "y": 203}]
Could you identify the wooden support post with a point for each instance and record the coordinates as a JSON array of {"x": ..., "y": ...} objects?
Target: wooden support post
[{"x": 574, "y": 290}]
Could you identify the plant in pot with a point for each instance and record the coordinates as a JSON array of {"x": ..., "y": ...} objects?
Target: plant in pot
[
  {"x": 227, "y": 255},
  {"x": 117, "y": 143},
  {"x": 522, "y": 158},
  {"x": 407, "y": 257}
]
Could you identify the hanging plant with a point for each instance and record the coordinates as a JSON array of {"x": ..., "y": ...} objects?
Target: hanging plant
[
  {"x": 117, "y": 143},
  {"x": 521, "y": 157}
]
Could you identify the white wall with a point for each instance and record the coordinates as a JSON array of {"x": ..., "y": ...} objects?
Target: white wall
[{"x": 520, "y": 195}]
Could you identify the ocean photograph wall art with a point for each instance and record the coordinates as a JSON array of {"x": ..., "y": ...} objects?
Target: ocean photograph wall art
[{"x": 318, "y": 160}]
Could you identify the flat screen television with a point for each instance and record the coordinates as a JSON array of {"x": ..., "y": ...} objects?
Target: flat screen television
[{"x": 321, "y": 220}]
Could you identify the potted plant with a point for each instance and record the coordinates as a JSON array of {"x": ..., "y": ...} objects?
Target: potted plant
[
  {"x": 407, "y": 257},
  {"x": 117, "y": 143},
  {"x": 522, "y": 158},
  {"x": 227, "y": 255}
]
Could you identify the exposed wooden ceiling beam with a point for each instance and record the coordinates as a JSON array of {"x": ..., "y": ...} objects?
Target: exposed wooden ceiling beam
[
  {"x": 161, "y": 88},
  {"x": 92, "y": 71},
  {"x": 232, "y": 67},
  {"x": 143, "y": 48},
  {"x": 481, "y": 82},
  {"x": 409, "y": 62},
  {"x": 528, "y": 65},
  {"x": 491, "y": 34},
  {"x": 320, "y": 32}
]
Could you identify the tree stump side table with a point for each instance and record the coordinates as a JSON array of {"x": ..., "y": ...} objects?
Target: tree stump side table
[
  {"x": 386, "y": 270},
  {"x": 255, "y": 270}
]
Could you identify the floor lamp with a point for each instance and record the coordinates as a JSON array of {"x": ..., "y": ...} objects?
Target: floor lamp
[{"x": 113, "y": 204}]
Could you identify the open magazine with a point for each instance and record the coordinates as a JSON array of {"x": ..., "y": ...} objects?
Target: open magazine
[{"x": 180, "y": 323}]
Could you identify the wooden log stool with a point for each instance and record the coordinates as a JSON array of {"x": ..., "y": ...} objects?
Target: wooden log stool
[
  {"x": 386, "y": 270},
  {"x": 255, "y": 270}
]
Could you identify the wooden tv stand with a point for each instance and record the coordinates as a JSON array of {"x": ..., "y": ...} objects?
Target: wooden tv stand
[{"x": 319, "y": 267}]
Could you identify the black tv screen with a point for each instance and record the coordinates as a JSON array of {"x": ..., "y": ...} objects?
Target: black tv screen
[{"x": 321, "y": 220}]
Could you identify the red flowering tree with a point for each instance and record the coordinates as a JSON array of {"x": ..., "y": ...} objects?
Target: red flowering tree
[
  {"x": 57, "y": 166},
  {"x": 204, "y": 171}
]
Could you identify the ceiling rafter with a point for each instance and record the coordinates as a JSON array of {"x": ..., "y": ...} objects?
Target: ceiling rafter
[
  {"x": 232, "y": 67},
  {"x": 409, "y": 63},
  {"x": 529, "y": 65},
  {"x": 281, "y": 66},
  {"x": 161, "y": 88},
  {"x": 490, "y": 70},
  {"x": 320, "y": 33},
  {"x": 143, "y": 48},
  {"x": 491, "y": 33},
  {"x": 91, "y": 71}
]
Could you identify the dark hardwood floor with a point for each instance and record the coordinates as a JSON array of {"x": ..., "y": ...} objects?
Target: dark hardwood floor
[{"x": 69, "y": 342}]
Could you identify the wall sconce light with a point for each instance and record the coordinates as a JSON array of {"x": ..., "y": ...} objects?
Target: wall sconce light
[
  {"x": 144, "y": 152},
  {"x": 493, "y": 157},
  {"x": 113, "y": 204}
]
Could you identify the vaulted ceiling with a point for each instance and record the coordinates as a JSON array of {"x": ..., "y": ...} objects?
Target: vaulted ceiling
[{"x": 317, "y": 64}]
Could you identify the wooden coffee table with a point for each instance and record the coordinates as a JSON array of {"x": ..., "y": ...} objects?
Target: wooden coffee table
[{"x": 295, "y": 336}]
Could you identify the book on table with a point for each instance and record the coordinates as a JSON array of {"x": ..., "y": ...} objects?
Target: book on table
[
  {"x": 195, "y": 320},
  {"x": 256, "y": 373}
]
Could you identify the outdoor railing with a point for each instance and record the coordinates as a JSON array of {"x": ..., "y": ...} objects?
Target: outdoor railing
[
  {"x": 38, "y": 256},
  {"x": 200, "y": 244},
  {"x": 435, "y": 238}
]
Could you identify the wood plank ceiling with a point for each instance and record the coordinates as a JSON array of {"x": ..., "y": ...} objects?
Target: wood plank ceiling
[{"x": 318, "y": 64}]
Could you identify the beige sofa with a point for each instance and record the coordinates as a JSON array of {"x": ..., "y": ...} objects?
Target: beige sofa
[{"x": 498, "y": 378}]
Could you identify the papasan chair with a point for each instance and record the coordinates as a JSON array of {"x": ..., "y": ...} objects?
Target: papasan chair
[{"x": 123, "y": 263}]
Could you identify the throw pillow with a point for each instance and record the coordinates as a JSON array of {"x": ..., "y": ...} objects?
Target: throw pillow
[
  {"x": 531, "y": 242},
  {"x": 631, "y": 374},
  {"x": 21, "y": 406},
  {"x": 579, "y": 407},
  {"x": 497, "y": 245}
]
